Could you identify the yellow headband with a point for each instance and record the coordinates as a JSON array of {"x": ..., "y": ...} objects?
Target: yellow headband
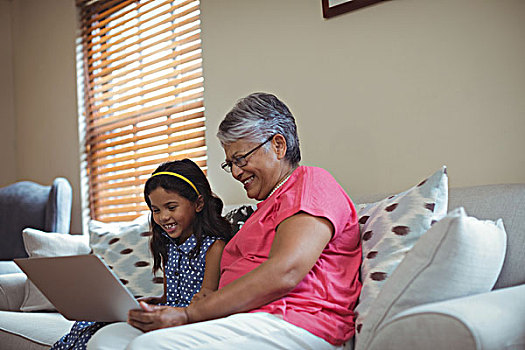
[{"x": 179, "y": 176}]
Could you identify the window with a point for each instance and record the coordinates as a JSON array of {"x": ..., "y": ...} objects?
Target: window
[{"x": 141, "y": 88}]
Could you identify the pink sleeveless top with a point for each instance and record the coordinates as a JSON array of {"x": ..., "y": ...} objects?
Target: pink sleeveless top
[{"x": 323, "y": 302}]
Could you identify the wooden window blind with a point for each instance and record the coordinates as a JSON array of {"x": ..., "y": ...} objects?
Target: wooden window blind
[{"x": 142, "y": 95}]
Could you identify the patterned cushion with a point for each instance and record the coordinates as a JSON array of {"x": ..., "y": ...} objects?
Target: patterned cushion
[
  {"x": 125, "y": 248},
  {"x": 458, "y": 256},
  {"x": 238, "y": 215},
  {"x": 390, "y": 228}
]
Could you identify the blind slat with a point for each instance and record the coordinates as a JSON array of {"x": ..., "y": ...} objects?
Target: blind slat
[
  {"x": 131, "y": 105},
  {"x": 125, "y": 119},
  {"x": 97, "y": 141},
  {"x": 95, "y": 10},
  {"x": 188, "y": 154},
  {"x": 129, "y": 176},
  {"x": 108, "y": 86},
  {"x": 112, "y": 14},
  {"x": 102, "y": 31},
  {"x": 133, "y": 138},
  {"x": 132, "y": 157},
  {"x": 120, "y": 201},
  {"x": 123, "y": 191},
  {"x": 119, "y": 218},
  {"x": 104, "y": 77},
  {"x": 103, "y": 47},
  {"x": 106, "y": 156},
  {"x": 120, "y": 68},
  {"x": 124, "y": 208},
  {"x": 170, "y": 83},
  {"x": 116, "y": 55}
]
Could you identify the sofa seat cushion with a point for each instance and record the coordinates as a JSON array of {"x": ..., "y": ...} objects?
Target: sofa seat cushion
[
  {"x": 20, "y": 330},
  {"x": 12, "y": 286}
]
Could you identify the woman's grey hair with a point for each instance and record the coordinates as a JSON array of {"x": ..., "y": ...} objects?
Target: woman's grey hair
[{"x": 257, "y": 117}]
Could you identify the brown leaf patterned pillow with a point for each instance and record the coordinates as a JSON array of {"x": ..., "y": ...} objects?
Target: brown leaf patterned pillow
[
  {"x": 125, "y": 248},
  {"x": 390, "y": 228}
]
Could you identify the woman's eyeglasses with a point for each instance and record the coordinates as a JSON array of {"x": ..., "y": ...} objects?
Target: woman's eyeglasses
[{"x": 241, "y": 160}]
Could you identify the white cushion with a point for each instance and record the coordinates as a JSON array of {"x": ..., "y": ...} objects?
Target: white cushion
[
  {"x": 125, "y": 248},
  {"x": 390, "y": 228},
  {"x": 47, "y": 244},
  {"x": 459, "y": 256}
]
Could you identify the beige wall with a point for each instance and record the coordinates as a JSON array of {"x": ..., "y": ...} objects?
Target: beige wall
[
  {"x": 383, "y": 96},
  {"x": 44, "y": 93},
  {"x": 7, "y": 112}
]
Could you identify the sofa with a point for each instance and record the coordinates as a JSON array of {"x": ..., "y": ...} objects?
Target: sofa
[{"x": 494, "y": 319}]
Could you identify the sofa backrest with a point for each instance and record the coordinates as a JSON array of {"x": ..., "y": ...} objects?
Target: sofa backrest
[{"x": 493, "y": 202}]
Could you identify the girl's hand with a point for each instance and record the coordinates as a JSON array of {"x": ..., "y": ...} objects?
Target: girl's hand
[
  {"x": 152, "y": 300},
  {"x": 152, "y": 317}
]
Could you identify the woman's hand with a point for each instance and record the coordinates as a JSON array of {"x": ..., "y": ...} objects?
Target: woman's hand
[{"x": 152, "y": 317}]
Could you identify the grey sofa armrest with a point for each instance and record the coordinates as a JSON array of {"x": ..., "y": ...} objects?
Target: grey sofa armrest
[
  {"x": 28, "y": 204},
  {"x": 12, "y": 290},
  {"x": 494, "y": 320},
  {"x": 58, "y": 207}
]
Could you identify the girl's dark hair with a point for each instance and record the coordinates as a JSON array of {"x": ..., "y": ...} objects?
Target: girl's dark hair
[{"x": 208, "y": 222}]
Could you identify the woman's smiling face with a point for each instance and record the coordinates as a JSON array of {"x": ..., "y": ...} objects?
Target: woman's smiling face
[
  {"x": 262, "y": 171},
  {"x": 174, "y": 213}
]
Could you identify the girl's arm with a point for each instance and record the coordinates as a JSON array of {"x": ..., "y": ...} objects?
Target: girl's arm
[
  {"x": 298, "y": 243},
  {"x": 212, "y": 270}
]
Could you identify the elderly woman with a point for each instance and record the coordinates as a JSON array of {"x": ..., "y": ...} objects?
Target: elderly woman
[{"x": 289, "y": 278}]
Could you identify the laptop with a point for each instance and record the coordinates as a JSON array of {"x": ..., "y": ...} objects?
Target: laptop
[{"x": 81, "y": 287}]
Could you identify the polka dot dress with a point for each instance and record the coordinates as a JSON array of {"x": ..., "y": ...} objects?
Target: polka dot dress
[
  {"x": 184, "y": 276},
  {"x": 183, "y": 280}
]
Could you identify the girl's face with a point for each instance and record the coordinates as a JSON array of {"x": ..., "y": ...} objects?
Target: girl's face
[{"x": 174, "y": 213}]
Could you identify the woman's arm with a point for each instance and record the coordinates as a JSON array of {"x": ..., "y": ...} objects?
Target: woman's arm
[{"x": 297, "y": 245}]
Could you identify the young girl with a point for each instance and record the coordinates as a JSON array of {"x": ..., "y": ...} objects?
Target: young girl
[{"x": 189, "y": 235}]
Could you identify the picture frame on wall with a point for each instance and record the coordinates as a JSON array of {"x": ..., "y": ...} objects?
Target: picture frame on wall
[{"x": 333, "y": 8}]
